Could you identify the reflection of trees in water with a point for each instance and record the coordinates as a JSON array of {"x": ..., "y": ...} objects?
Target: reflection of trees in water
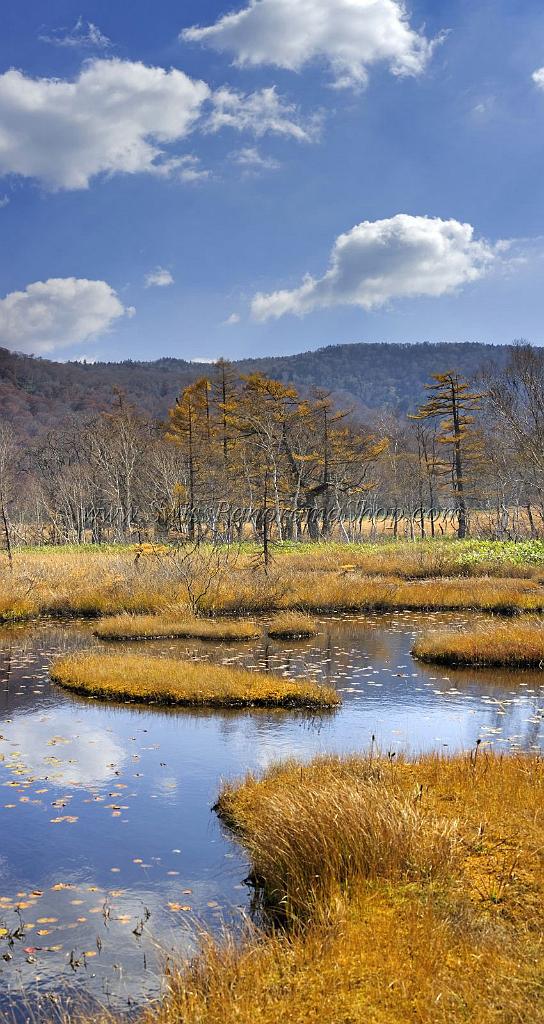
[{"x": 6, "y": 669}]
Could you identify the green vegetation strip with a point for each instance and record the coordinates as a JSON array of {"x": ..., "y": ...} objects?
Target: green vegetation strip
[{"x": 184, "y": 683}]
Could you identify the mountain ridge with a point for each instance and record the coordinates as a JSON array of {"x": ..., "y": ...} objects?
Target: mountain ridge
[{"x": 36, "y": 394}]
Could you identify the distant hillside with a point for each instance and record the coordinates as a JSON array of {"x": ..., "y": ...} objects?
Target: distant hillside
[{"x": 36, "y": 394}]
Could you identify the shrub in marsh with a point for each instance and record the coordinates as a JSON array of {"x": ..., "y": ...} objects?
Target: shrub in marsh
[
  {"x": 292, "y": 626},
  {"x": 516, "y": 642},
  {"x": 152, "y": 627},
  {"x": 144, "y": 679}
]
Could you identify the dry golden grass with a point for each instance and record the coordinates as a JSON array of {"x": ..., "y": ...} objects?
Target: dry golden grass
[
  {"x": 353, "y": 591},
  {"x": 333, "y": 824},
  {"x": 135, "y": 677},
  {"x": 516, "y": 642},
  {"x": 405, "y": 933},
  {"x": 292, "y": 626},
  {"x": 152, "y": 627},
  {"x": 323, "y": 577}
]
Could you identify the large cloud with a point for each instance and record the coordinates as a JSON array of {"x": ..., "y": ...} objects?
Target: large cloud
[
  {"x": 121, "y": 117},
  {"x": 115, "y": 117},
  {"x": 350, "y": 35},
  {"x": 378, "y": 261},
  {"x": 62, "y": 311}
]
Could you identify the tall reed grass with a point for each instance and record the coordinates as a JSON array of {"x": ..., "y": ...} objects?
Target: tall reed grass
[{"x": 327, "y": 577}]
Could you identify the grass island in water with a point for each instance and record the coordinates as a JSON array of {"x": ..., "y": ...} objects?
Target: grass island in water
[
  {"x": 134, "y": 677},
  {"x": 516, "y": 642}
]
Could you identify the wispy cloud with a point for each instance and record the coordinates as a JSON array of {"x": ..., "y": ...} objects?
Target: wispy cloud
[
  {"x": 83, "y": 35},
  {"x": 348, "y": 35},
  {"x": 122, "y": 117},
  {"x": 159, "y": 278},
  {"x": 251, "y": 160}
]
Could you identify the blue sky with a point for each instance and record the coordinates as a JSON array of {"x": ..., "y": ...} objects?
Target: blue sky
[{"x": 180, "y": 212}]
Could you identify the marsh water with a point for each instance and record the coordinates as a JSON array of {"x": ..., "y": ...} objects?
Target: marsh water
[{"x": 111, "y": 859}]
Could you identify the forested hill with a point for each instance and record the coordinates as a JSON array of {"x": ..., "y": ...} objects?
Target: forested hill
[{"x": 36, "y": 394}]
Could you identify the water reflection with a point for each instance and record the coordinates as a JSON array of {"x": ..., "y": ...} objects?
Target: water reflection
[{"x": 109, "y": 853}]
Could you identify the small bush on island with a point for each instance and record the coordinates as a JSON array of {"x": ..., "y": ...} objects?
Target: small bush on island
[
  {"x": 134, "y": 677},
  {"x": 154, "y": 627},
  {"x": 516, "y": 642},
  {"x": 292, "y": 626}
]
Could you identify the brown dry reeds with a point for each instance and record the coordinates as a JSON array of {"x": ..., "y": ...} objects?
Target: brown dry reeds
[
  {"x": 333, "y": 825},
  {"x": 328, "y": 577}
]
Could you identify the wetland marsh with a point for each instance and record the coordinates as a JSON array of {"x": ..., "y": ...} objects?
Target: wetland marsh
[{"x": 112, "y": 859}]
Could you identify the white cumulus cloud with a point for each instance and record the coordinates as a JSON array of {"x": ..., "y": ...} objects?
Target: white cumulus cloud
[
  {"x": 53, "y": 314},
  {"x": 120, "y": 117},
  {"x": 378, "y": 261},
  {"x": 538, "y": 78},
  {"x": 116, "y": 117},
  {"x": 231, "y": 320},
  {"x": 349, "y": 35},
  {"x": 159, "y": 278}
]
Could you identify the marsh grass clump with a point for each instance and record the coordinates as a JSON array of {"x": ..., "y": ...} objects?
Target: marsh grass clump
[
  {"x": 292, "y": 626},
  {"x": 437, "y": 937},
  {"x": 515, "y": 642},
  {"x": 315, "y": 831},
  {"x": 154, "y": 627},
  {"x": 135, "y": 677}
]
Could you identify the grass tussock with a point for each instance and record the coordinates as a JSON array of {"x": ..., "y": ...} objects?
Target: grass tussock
[
  {"x": 133, "y": 677},
  {"x": 311, "y": 832},
  {"x": 400, "y": 935},
  {"x": 292, "y": 626},
  {"x": 153, "y": 627},
  {"x": 516, "y": 642}
]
